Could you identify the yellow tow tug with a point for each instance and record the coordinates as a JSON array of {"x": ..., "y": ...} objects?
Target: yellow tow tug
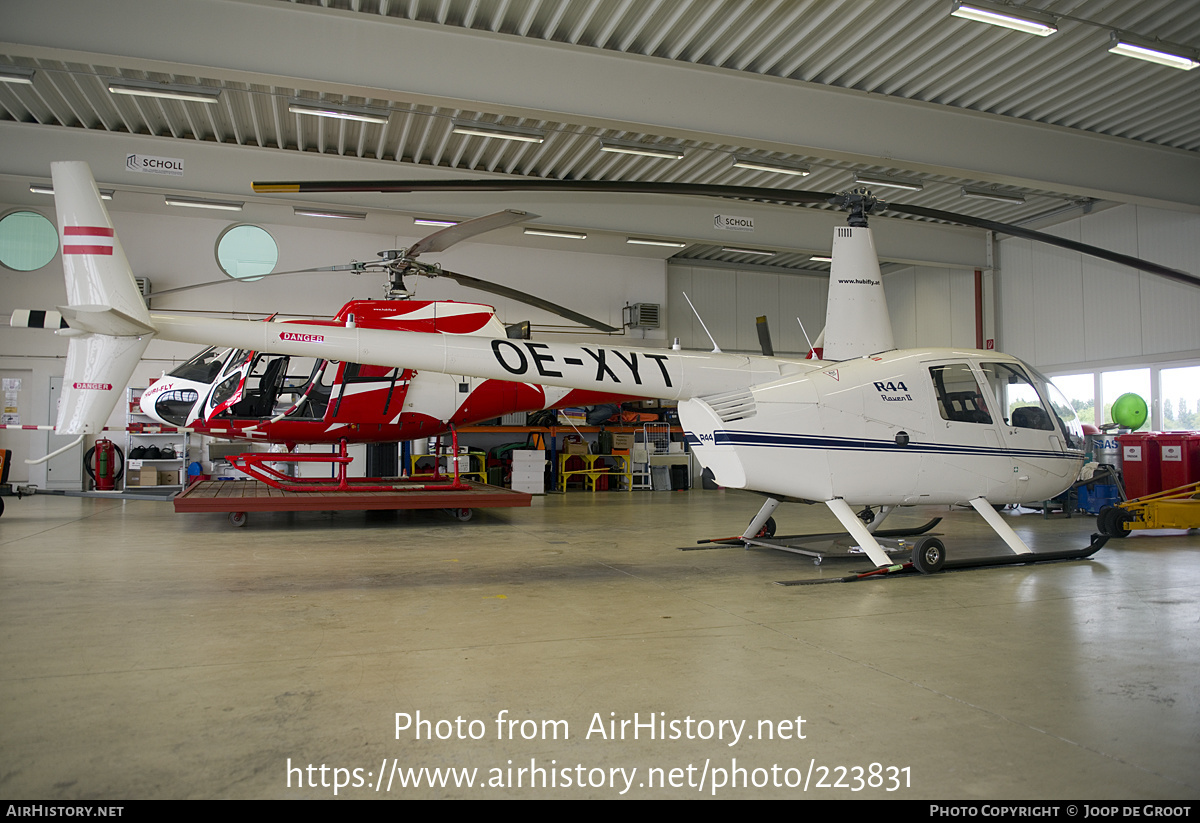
[{"x": 1177, "y": 508}]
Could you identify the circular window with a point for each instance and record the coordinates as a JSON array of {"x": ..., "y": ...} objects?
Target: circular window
[
  {"x": 28, "y": 240},
  {"x": 246, "y": 252}
]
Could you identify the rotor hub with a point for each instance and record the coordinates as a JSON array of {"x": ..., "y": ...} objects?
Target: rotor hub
[{"x": 859, "y": 203}]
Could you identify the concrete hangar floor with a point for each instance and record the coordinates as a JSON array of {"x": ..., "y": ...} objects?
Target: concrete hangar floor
[{"x": 146, "y": 654}]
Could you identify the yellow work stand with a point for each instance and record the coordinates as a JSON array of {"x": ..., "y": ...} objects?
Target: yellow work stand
[
  {"x": 475, "y": 458},
  {"x": 590, "y": 471}
]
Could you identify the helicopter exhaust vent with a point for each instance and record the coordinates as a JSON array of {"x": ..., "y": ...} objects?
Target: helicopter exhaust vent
[
  {"x": 143, "y": 285},
  {"x": 845, "y": 231},
  {"x": 643, "y": 315},
  {"x": 730, "y": 406}
]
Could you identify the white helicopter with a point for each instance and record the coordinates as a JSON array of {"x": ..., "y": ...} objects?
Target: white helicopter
[{"x": 867, "y": 426}]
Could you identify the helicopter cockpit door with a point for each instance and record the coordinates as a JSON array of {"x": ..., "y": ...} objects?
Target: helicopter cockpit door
[
  {"x": 1029, "y": 428},
  {"x": 230, "y": 384}
]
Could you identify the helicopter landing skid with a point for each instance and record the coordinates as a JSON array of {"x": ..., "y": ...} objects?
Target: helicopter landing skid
[
  {"x": 921, "y": 556},
  {"x": 769, "y": 542}
]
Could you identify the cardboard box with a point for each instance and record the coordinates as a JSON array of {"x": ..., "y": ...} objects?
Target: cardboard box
[
  {"x": 168, "y": 478},
  {"x": 622, "y": 440},
  {"x": 575, "y": 448},
  {"x": 147, "y": 476}
]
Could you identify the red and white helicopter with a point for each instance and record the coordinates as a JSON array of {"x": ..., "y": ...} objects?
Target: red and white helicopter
[
  {"x": 867, "y": 426},
  {"x": 271, "y": 397},
  {"x": 277, "y": 398}
]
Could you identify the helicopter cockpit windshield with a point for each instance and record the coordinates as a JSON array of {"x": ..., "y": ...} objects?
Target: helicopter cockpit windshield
[
  {"x": 1023, "y": 392},
  {"x": 204, "y": 367}
]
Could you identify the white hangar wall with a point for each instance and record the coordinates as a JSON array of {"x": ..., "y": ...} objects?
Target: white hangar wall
[
  {"x": 179, "y": 250},
  {"x": 1063, "y": 311},
  {"x": 929, "y": 306}
]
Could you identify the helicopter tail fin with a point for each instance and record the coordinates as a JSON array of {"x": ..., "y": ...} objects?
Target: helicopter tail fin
[
  {"x": 110, "y": 325},
  {"x": 856, "y": 317}
]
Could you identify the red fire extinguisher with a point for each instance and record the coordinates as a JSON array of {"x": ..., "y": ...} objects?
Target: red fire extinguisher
[{"x": 108, "y": 467}]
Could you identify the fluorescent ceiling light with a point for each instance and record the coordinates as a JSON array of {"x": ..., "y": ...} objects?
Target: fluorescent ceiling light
[
  {"x": 41, "y": 188},
  {"x": 476, "y": 129},
  {"x": 203, "y": 203},
  {"x": 569, "y": 235},
  {"x": 341, "y": 215},
  {"x": 169, "y": 91},
  {"x": 992, "y": 194},
  {"x": 891, "y": 180},
  {"x": 430, "y": 221},
  {"x": 1010, "y": 17},
  {"x": 820, "y": 258},
  {"x": 337, "y": 111},
  {"x": 775, "y": 166},
  {"x": 643, "y": 149},
  {"x": 733, "y": 250},
  {"x": 16, "y": 74},
  {"x": 642, "y": 241},
  {"x": 1143, "y": 49}
]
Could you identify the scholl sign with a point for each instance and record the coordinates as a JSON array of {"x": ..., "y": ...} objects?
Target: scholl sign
[
  {"x": 147, "y": 164},
  {"x": 730, "y": 222}
]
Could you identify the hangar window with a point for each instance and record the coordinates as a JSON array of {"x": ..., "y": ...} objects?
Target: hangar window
[
  {"x": 1181, "y": 398},
  {"x": 246, "y": 252},
  {"x": 28, "y": 240}
]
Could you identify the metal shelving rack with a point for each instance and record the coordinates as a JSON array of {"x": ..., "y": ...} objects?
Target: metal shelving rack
[{"x": 177, "y": 439}]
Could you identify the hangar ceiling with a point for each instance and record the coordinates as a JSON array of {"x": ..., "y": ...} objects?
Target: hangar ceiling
[{"x": 838, "y": 86}]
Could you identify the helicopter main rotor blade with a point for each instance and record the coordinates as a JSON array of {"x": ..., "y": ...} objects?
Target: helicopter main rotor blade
[
  {"x": 528, "y": 299},
  {"x": 542, "y": 184},
  {"x": 764, "y": 336},
  {"x": 447, "y": 237},
  {"x": 348, "y": 267},
  {"x": 738, "y": 192},
  {"x": 1050, "y": 239}
]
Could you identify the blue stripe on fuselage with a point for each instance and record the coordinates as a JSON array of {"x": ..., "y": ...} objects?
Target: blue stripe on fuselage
[{"x": 809, "y": 441}]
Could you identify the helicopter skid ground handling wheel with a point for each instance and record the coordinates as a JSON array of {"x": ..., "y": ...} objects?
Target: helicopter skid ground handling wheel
[
  {"x": 929, "y": 555},
  {"x": 768, "y": 529}
]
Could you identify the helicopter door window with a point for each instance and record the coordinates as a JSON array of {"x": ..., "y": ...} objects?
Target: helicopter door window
[
  {"x": 958, "y": 394},
  {"x": 322, "y": 388},
  {"x": 1023, "y": 407},
  {"x": 225, "y": 390}
]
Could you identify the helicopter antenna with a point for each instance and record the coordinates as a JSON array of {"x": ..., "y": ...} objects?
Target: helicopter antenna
[{"x": 716, "y": 348}]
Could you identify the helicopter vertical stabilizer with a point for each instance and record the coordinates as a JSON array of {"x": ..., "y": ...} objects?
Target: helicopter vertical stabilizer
[
  {"x": 856, "y": 317},
  {"x": 109, "y": 324}
]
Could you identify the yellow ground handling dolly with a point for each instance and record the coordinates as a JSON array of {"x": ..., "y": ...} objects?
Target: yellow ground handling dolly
[{"x": 1171, "y": 509}]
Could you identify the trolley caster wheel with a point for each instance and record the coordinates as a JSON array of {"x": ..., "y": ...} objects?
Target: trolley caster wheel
[
  {"x": 237, "y": 519},
  {"x": 817, "y": 560},
  {"x": 461, "y": 515},
  {"x": 768, "y": 529},
  {"x": 929, "y": 555}
]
